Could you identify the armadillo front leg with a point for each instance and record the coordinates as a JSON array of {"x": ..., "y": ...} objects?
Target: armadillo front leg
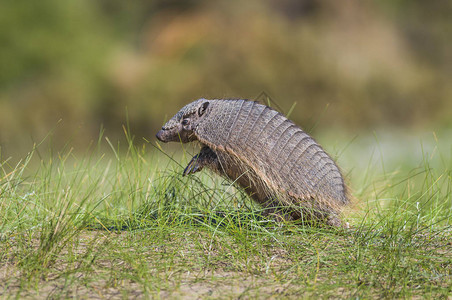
[{"x": 206, "y": 157}]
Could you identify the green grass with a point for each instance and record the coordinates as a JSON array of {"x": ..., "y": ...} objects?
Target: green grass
[{"x": 120, "y": 224}]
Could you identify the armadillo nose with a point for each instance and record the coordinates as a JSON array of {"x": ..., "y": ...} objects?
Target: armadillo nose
[{"x": 160, "y": 135}]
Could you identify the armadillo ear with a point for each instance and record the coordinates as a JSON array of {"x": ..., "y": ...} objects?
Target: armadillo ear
[{"x": 203, "y": 108}]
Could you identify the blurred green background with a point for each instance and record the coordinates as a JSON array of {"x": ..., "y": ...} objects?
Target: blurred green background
[{"x": 73, "y": 66}]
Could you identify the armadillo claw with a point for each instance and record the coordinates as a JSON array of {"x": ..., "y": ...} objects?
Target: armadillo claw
[{"x": 192, "y": 167}]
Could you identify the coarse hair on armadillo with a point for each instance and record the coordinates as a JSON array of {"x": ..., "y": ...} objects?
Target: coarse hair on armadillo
[{"x": 271, "y": 186}]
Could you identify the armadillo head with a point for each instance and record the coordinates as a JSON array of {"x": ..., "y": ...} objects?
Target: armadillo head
[{"x": 181, "y": 127}]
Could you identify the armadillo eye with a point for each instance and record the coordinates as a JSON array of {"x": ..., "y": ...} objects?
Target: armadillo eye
[{"x": 185, "y": 122}]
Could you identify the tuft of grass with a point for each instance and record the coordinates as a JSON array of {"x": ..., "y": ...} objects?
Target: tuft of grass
[{"x": 126, "y": 224}]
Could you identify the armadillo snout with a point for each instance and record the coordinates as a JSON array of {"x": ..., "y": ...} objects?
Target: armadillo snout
[
  {"x": 161, "y": 136},
  {"x": 172, "y": 135}
]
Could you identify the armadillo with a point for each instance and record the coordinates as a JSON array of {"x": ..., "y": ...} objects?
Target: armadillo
[{"x": 277, "y": 164}]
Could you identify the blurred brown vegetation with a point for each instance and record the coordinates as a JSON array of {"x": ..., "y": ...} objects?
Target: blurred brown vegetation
[{"x": 350, "y": 64}]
